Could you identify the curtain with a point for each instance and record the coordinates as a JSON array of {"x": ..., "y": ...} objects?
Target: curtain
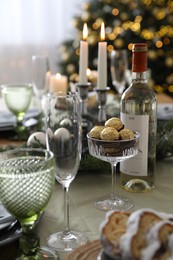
[{"x": 32, "y": 27}]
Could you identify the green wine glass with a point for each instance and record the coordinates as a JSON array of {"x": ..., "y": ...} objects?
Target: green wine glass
[
  {"x": 17, "y": 98},
  {"x": 26, "y": 184}
]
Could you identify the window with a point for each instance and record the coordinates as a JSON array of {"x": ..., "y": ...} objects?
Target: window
[{"x": 33, "y": 27}]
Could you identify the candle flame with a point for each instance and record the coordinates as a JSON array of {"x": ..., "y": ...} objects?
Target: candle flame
[
  {"x": 58, "y": 76},
  {"x": 48, "y": 73},
  {"x": 85, "y": 32},
  {"x": 102, "y": 32},
  {"x": 88, "y": 72}
]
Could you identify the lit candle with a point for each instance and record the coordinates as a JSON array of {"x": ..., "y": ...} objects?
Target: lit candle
[
  {"x": 57, "y": 83},
  {"x": 83, "y": 62},
  {"x": 102, "y": 60}
]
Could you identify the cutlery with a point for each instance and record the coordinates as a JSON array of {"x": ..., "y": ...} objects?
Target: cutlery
[{"x": 8, "y": 231}]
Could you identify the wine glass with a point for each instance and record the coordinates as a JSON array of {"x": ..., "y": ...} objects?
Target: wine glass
[
  {"x": 26, "y": 184},
  {"x": 17, "y": 98},
  {"x": 119, "y": 65},
  {"x": 41, "y": 73},
  {"x": 63, "y": 134},
  {"x": 113, "y": 152}
]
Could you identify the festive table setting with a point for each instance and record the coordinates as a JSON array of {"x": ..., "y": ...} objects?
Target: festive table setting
[
  {"x": 86, "y": 188},
  {"x": 92, "y": 182},
  {"x": 72, "y": 137}
]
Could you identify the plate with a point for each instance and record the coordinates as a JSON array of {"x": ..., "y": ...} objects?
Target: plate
[
  {"x": 5, "y": 218},
  {"x": 165, "y": 111},
  {"x": 14, "y": 236},
  {"x": 103, "y": 256},
  {"x": 89, "y": 251},
  {"x": 8, "y": 120},
  {"x": 5, "y": 221},
  {"x": 13, "y": 231}
]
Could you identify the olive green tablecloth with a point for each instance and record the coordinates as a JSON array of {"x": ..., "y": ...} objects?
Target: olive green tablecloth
[{"x": 87, "y": 187}]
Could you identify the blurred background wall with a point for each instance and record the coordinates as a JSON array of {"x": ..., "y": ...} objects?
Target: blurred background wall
[{"x": 34, "y": 27}]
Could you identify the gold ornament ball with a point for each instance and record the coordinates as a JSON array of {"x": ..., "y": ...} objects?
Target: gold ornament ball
[
  {"x": 99, "y": 21},
  {"x": 124, "y": 16},
  {"x": 152, "y": 55},
  {"x": 74, "y": 77},
  {"x": 86, "y": 16},
  {"x": 86, "y": 6},
  {"x": 119, "y": 43},
  {"x": 70, "y": 68},
  {"x": 65, "y": 56},
  {"x": 92, "y": 39},
  {"x": 169, "y": 79},
  {"x": 62, "y": 48},
  {"x": 74, "y": 22},
  {"x": 169, "y": 62}
]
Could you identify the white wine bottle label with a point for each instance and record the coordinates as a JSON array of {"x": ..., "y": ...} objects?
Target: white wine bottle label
[{"x": 137, "y": 166}]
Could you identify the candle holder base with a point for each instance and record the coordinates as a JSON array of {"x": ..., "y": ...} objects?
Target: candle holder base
[
  {"x": 86, "y": 124},
  {"x": 102, "y": 98},
  {"x": 83, "y": 93}
]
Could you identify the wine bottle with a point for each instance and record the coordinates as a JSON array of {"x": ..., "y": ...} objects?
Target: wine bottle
[{"x": 138, "y": 112}]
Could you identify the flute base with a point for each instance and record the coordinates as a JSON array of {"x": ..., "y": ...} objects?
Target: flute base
[
  {"x": 114, "y": 203},
  {"x": 43, "y": 253},
  {"x": 63, "y": 242}
]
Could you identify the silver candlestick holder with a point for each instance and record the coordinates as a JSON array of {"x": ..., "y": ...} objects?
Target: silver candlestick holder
[
  {"x": 83, "y": 93},
  {"x": 86, "y": 124},
  {"x": 102, "y": 98}
]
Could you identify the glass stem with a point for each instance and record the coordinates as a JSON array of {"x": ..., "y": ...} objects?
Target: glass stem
[
  {"x": 29, "y": 242},
  {"x": 113, "y": 170},
  {"x": 66, "y": 211},
  {"x": 19, "y": 127}
]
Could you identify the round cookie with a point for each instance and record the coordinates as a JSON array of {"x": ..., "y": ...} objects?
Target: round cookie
[
  {"x": 126, "y": 134},
  {"x": 114, "y": 122},
  {"x": 95, "y": 131},
  {"x": 109, "y": 133}
]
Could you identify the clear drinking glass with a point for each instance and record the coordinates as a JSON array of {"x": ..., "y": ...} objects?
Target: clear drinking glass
[
  {"x": 63, "y": 133},
  {"x": 41, "y": 73},
  {"x": 17, "y": 98},
  {"x": 119, "y": 65},
  {"x": 26, "y": 184},
  {"x": 113, "y": 152}
]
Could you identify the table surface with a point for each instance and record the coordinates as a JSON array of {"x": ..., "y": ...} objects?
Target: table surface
[{"x": 87, "y": 187}]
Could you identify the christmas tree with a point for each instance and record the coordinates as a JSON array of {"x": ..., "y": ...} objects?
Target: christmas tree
[{"x": 126, "y": 22}]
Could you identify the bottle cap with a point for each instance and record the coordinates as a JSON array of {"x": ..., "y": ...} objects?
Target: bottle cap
[
  {"x": 139, "y": 57},
  {"x": 139, "y": 47}
]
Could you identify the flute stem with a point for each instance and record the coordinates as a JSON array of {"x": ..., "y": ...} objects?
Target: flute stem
[{"x": 66, "y": 211}]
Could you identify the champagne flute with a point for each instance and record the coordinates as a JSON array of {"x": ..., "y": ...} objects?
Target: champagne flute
[
  {"x": 119, "y": 65},
  {"x": 113, "y": 152},
  {"x": 26, "y": 184},
  {"x": 17, "y": 98},
  {"x": 41, "y": 73},
  {"x": 63, "y": 124}
]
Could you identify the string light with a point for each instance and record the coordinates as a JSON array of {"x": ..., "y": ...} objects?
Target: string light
[
  {"x": 112, "y": 36},
  {"x": 130, "y": 46},
  {"x": 115, "y": 11},
  {"x": 159, "y": 44},
  {"x": 110, "y": 48},
  {"x": 166, "y": 41},
  {"x": 170, "y": 88}
]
